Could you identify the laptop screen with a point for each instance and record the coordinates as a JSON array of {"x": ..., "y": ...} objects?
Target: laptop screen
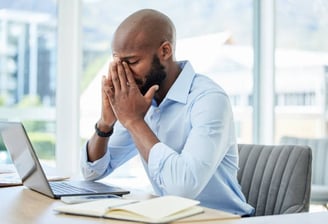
[
  {"x": 23, "y": 156},
  {"x": 29, "y": 168}
]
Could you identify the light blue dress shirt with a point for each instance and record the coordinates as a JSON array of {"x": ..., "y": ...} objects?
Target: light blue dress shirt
[{"x": 197, "y": 154}]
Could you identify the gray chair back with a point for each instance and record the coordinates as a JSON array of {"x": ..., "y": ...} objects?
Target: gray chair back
[
  {"x": 275, "y": 179},
  {"x": 319, "y": 146}
]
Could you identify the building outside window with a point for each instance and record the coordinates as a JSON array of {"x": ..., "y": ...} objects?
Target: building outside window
[
  {"x": 301, "y": 74},
  {"x": 28, "y": 42}
]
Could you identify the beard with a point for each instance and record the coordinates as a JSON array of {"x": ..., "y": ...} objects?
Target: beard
[{"x": 155, "y": 76}]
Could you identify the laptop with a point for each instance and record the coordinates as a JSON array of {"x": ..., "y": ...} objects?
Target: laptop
[{"x": 28, "y": 166}]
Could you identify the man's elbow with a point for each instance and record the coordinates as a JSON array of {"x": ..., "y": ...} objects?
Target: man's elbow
[
  {"x": 190, "y": 190},
  {"x": 89, "y": 174}
]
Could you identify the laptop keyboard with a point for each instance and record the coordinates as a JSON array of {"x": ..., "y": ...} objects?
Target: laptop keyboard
[{"x": 64, "y": 188}]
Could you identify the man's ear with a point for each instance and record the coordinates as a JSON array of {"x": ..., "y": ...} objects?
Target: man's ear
[{"x": 165, "y": 50}]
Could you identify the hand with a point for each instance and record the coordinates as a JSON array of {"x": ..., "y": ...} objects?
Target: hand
[
  {"x": 108, "y": 117},
  {"x": 127, "y": 102}
]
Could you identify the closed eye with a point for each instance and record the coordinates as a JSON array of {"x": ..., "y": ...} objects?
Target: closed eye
[{"x": 132, "y": 62}]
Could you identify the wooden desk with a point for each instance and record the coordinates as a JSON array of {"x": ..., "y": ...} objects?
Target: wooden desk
[{"x": 21, "y": 205}]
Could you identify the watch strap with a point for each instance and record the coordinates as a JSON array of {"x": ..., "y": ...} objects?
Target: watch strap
[{"x": 103, "y": 134}]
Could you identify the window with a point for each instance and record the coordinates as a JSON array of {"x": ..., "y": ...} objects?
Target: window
[
  {"x": 28, "y": 71},
  {"x": 301, "y": 61},
  {"x": 296, "y": 99}
]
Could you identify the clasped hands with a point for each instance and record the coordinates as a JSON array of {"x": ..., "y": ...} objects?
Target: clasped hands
[{"x": 121, "y": 97}]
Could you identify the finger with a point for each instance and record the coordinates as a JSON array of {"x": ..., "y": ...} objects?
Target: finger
[
  {"x": 122, "y": 77},
  {"x": 109, "y": 81},
  {"x": 108, "y": 86},
  {"x": 151, "y": 92},
  {"x": 103, "y": 86},
  {"x": 114, "y": 77},
  {"x": 129, "y": 76},
  {"x": 109, "y": 67}
]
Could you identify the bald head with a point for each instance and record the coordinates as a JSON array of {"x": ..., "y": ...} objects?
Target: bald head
[{"x": 144, "y": 29}]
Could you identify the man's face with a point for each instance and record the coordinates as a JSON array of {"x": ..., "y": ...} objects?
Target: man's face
[
  {"x": 155, "y": 76},
  {"x": 141, "y": 57}
]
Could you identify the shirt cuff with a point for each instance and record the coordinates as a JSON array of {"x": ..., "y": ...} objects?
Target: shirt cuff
[{"x": 93, "y": 170}]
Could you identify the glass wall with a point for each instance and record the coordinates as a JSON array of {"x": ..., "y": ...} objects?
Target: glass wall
[
  {"x": 301, "y": 68},
  {"x": 28, "y": 71}
]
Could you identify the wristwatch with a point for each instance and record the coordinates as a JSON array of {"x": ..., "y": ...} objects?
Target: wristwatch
[{"x": 103, "y": 134}]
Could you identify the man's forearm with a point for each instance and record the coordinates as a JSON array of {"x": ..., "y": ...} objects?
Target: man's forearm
[
  {"x": 143, "y": 137},
  {"x": 97, "y": 145}
]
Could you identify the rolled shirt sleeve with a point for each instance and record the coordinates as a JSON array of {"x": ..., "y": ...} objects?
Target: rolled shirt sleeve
[
  {"x": 119, "y": 150},
  {"x": 93, "y": 170}
]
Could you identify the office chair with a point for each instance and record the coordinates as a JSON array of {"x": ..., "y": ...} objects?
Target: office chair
[
  {"x": 319, "y": 146},
  {"x": 275, "y": 179}
]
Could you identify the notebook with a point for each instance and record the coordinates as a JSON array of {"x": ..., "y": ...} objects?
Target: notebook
[
  {"x": 28, "y": 166},
  {"x": 163, "y": 209}
]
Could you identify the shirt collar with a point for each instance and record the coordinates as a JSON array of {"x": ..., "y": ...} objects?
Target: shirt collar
[{"x": 180, "y": 89}]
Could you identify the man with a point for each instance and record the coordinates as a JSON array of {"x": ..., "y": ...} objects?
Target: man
[{"x": 179, "y": 122}]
